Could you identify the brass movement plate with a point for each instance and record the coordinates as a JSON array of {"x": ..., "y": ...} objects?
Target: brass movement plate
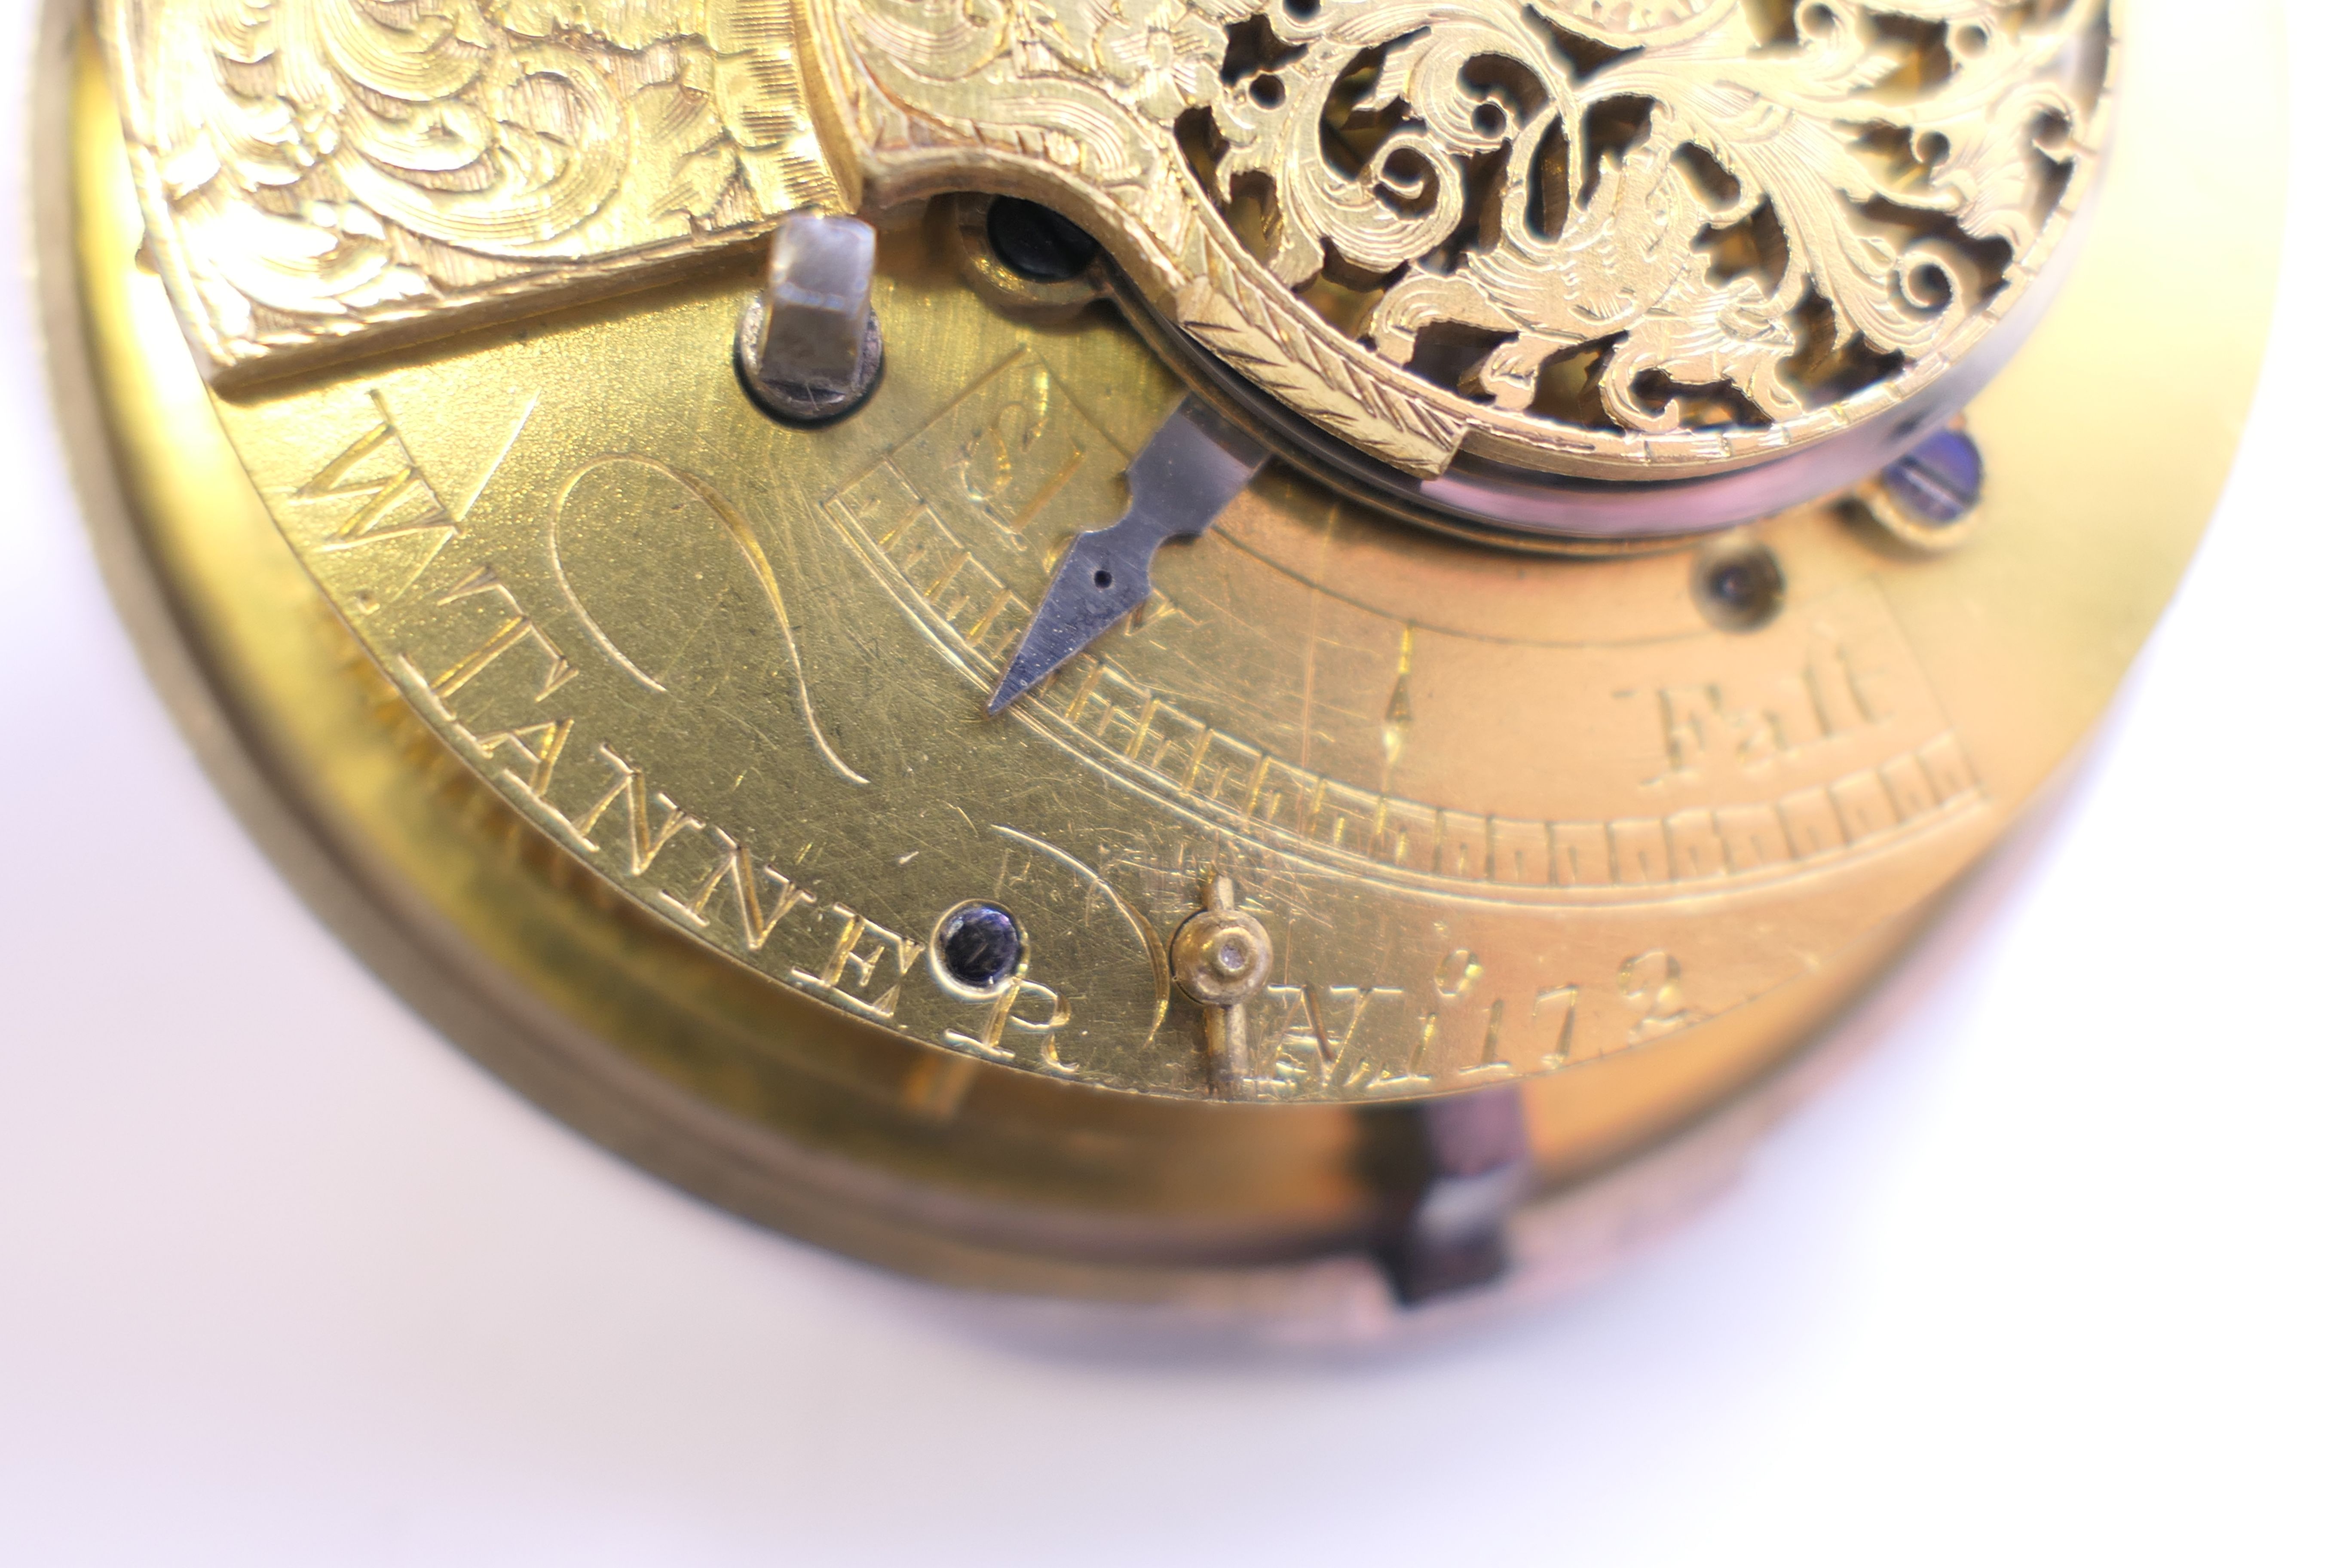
[{"x": 641, "y": 740}]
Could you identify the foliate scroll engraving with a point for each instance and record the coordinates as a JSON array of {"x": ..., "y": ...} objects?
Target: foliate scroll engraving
[
  {"x": 1614, "y": 237},
  {"x": 1596, "y": 234},
  {"x": 313, "y": 169},
  {"x": 1780, "y": 217}
]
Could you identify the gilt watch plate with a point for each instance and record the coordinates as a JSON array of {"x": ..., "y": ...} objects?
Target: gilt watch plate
[{"x": 1363, "y": 875}]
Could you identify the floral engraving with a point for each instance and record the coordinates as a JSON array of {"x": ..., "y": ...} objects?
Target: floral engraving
[
  {"x": 1601, "y": 233},
  {"x": 310, "y": 168},
  {"x": 1611, "y": 238},
  {"x": 1888, "y": 176}
]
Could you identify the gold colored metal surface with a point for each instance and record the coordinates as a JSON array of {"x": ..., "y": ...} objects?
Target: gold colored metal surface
[
  {"x": 1222, "y": 956},
  {"x": 1221, "y": 959},
  {"x": 1349, "y": 157},
  {"x": 739, "y": 669},
  {"x": 655, "y": 730},
  {"x": 319, "y": 172},
  {"x": 1594, "y": 238}
]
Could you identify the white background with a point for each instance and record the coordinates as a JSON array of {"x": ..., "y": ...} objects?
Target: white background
[{"x": 285, "y": 1279}]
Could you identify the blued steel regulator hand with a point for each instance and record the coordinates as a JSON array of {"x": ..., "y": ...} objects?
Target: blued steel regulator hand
[{"x": 1191, "y": 470}]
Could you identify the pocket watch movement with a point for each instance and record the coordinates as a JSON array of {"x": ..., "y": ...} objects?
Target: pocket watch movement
[{"x": 1269, "y": 659}]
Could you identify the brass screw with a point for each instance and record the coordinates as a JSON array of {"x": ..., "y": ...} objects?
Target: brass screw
[{"x": 1220, "y": 958}]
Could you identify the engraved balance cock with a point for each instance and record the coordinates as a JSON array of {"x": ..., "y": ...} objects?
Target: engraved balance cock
[{"x": 1601, "y": 238}]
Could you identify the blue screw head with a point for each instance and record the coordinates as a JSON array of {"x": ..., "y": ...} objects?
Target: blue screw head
[
  {"x": 979, "y": 945},
  {"x": 1939, "y": 481}
]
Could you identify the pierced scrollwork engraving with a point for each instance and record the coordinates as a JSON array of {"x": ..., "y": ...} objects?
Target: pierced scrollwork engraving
[
  {"x": 1626, "y": 238},
  {"x": 1608, "y": 236},
  {"x": 1783, "y": 206}
]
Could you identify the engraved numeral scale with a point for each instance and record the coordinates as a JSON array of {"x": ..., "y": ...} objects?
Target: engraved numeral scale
[{"x": 673, "y": 497}]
